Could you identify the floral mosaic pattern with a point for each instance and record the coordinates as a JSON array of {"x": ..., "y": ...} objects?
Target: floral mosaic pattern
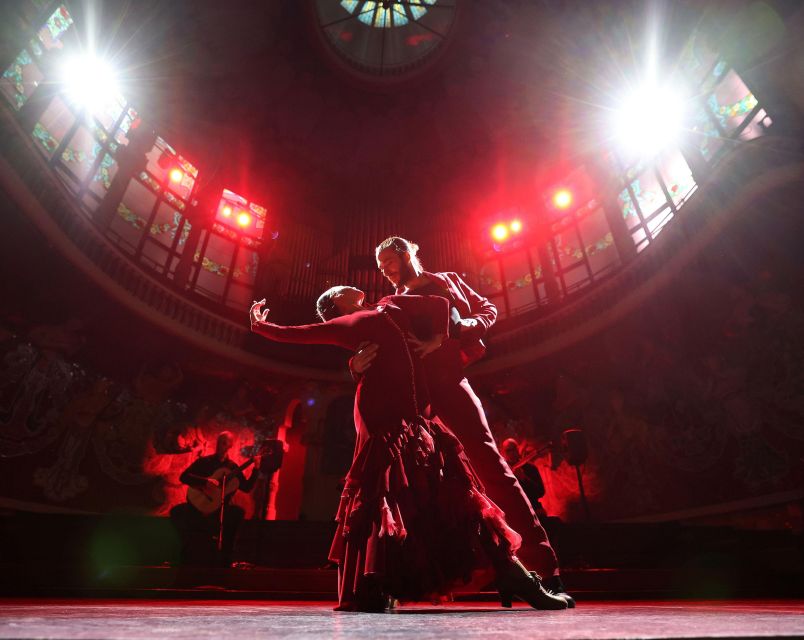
[{"x": 55, "y": 27}]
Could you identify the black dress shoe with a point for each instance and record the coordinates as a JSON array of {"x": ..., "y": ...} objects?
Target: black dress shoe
[
  {"x": 515, "y": 581},
  {"x": 555, "y": 586}
]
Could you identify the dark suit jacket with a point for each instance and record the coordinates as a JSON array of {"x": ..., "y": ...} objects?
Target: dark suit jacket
[{"x": 468, "y": 304}]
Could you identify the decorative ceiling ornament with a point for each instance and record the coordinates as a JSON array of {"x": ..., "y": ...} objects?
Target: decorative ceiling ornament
[{"x": 388, "y": 41}]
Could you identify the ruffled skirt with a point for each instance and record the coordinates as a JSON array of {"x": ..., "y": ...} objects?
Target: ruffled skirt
[{"x": 413, "y": 521}]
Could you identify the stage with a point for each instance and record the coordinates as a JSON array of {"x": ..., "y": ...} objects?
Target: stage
[{"x": 175, "y": 619}]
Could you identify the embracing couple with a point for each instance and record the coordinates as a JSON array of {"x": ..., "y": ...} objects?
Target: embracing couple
[{"x": 428, "y": 500}]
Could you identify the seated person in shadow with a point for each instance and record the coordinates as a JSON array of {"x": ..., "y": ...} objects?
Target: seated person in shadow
[{"x": 527, "y": 474}]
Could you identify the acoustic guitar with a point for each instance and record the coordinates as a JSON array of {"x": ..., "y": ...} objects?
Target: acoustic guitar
[{"x": 207, "y": 499}]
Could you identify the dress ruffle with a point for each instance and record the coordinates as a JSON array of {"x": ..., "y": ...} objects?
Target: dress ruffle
[{"x": 411, "y": 517}]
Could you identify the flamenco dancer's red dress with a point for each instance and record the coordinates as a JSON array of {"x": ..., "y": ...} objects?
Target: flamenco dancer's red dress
[{"x": 413, "y": 520}]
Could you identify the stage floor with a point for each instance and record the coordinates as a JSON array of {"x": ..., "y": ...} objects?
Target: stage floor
[{"x": 174, "y": 619}]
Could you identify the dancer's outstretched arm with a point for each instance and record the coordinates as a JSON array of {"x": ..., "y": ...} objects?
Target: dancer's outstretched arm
[{"x": 339, "y": 331}]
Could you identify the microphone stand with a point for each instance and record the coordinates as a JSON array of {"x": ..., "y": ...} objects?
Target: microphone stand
[{"x": 223, "y": 497}]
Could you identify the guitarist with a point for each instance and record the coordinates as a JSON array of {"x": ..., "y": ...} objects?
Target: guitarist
[{"x": 191, "y": 522}]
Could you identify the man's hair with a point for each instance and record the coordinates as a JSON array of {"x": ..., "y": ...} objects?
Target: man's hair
[
  {"x": 325, "y": 305},
  {"x": 400, "y": 246}
]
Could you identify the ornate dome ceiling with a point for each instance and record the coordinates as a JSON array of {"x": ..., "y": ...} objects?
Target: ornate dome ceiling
[
  {"x": 388, "y": 41},
  {"x": 262, "y": 96}
]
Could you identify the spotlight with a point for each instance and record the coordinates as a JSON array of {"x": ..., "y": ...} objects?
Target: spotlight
[
  {"x": 516, "y": 226},
  {"x": 649, "y": 120},
  {"x": 562, "y": 198},
  {"x": 176, "y": 175},
  {"x": 89, "y": 83},
  {"x": 243, "y": 219},
  {"x": 499, "y": 232},
  {"x": 227, "y": 211}
]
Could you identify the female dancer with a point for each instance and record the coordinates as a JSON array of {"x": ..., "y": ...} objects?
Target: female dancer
[{"x": 413, "y": 520}]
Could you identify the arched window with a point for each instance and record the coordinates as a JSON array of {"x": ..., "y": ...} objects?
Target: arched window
[
  {"x": 151, "y": 222},
  {"x": 225, "y": 265}
]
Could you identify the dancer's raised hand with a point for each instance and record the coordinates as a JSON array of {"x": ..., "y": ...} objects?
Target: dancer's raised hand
[{"x": 256, "y": 314}]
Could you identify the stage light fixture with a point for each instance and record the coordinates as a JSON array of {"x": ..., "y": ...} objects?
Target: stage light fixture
[
  {"x": 89, "y": 82},
  {"x": 243, "y": 219},
  {"x": 516, "y": 226},
  {"x": 176, "y": 175},
  {"x": 649, "y": 120},
  {"x": 562, "y": 198},
  {"x": 499, "y": 232}
]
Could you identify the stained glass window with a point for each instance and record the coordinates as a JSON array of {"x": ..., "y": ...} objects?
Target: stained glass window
[
  {"x": 80, "y": 154},
  {"x": 598, "y": 240},
  {"x": 567, "y": 254},
  {"x": 645, "y": 207},
  {"x": 130, "y": 120},
  {"x": 55, "y": 27},
  {"x": 238, "y": 214},
  {"x": 24, "y": 75},
  {"x": 151, "y": 220},
  {"x": 648, "y": 193},
  {"x": 728, "y": 109},
  {"x": 214, "y": 266},
  {"x": 758, "y": 126},
  {"x": 385, "y": 38},
  {"x": 133, "y": 213},
  {"x": 55, "y": 124},
  {"x": 640, "y": 238},
  {"x": 519, "y": 282},
  {"x": 170, "y": 169},
  {"x": 396, "y": 13},
  {"x": 21, "y": 79},
  {"x": 244, "y": 274},
  {"x": 709, "y": 141},
  {"x": 731, "y": 102},
  {"x": 80, "y": 144},
  {"x": 677, "y": 177},
  {"x": 232, "y": 251},
  {"x": 568, "y": 248},
  {"x": 489, "y": 282}
]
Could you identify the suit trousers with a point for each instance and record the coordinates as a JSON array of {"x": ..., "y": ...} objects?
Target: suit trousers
[{"x": 459, "y": 408}]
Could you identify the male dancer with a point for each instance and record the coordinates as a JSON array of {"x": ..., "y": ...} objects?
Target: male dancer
[{"x": 454, "y": 401}]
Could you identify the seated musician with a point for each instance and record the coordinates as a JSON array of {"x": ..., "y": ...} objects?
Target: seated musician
[{"x": 210, "y": 478}]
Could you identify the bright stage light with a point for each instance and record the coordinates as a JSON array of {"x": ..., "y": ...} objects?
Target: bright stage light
[
  {"x": 89, "y": 83},
  {"x": 243, "y": 219},
  {"x": 562, "y": 198},
  {"x": 227, "y": 211},
  {"x": 176, "y": 175},
  {"x": 499, "y": 232},
  {"x": 649, "y": 120},
  {"x": 516, "y": 226}
]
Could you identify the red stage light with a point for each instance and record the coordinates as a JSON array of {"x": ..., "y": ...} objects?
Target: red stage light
[
  {"x": 516, "y": 226},
  {"x": 176, "y": 175},
  {"x": 562, "y": 199},
  {"x": 227, "y": 211},
  {"x": 499, "y": 232},
  {"x": 243, "y": 219}
]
